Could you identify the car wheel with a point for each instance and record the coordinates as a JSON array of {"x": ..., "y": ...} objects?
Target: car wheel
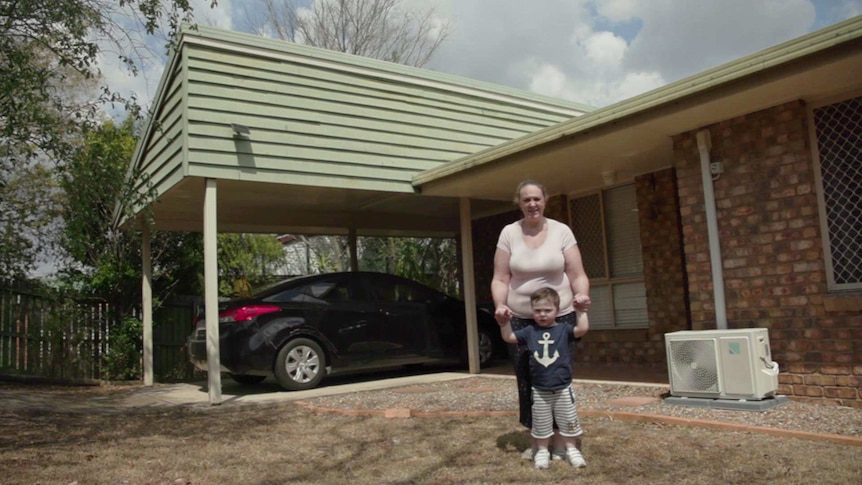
[
  {"x": 247, "y": 380},
  {"x": 300, "y": 365},
  {"x": 486, "y": 349}
]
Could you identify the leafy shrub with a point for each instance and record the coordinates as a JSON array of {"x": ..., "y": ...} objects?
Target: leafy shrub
[{"x": 123, "y": 360}]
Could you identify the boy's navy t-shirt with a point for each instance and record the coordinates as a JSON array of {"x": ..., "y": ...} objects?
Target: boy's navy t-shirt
[{"x": 550, "y": 359}]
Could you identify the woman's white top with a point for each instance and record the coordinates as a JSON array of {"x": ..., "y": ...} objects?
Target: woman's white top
[{"x": 534, "y": 268}]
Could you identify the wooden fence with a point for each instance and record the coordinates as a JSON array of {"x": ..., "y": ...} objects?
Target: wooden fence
[{"x": 66, "y": 340}]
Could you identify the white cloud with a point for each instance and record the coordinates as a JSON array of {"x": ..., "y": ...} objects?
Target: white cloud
[
  {"x": 605, "y": 48},
  {"x": 221, "y": 16},
  {"x": 592, "y": 51},
  {"x": 634, "y": 83},
  {"x": 616, "y": 10},
  {"x": 548, "y": 80},
  {"x": 603, "y": 51},
  {"x": 682, "y": 38}
]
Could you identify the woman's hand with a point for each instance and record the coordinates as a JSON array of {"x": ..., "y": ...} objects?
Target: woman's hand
[
  {"x": 578, "y": 279},
  {"x": 503, "y": 315},
  {"x": 581, "y": 302}
]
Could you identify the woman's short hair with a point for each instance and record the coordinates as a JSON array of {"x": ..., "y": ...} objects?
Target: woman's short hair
[{"x": 526, "y": 183}]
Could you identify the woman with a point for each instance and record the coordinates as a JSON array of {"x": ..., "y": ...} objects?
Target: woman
[{"x": 532, "y": 253}]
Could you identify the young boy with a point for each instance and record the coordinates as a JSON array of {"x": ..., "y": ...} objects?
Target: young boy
[{"x": 551, "y": 374}]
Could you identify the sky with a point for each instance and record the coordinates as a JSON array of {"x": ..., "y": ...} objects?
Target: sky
[{"x": 595, "y": 52}]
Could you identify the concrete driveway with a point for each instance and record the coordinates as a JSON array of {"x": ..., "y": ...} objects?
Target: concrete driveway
[{"x": 194, "y": 395}]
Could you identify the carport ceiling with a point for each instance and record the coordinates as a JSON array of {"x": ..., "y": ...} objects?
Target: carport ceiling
[{"x": 275, "y": 208}]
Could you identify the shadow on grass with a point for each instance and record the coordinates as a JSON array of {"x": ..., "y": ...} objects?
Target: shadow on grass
[{"x": 514, "y": 440}]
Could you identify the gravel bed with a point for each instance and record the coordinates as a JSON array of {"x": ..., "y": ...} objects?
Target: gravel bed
[{"x": 499, "y": 394}]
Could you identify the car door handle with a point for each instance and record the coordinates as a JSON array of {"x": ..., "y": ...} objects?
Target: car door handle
[{"x": 352, "y": 327}]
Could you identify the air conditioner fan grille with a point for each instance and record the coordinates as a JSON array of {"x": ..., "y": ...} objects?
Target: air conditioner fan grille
[{"x": 693, "y": 366}]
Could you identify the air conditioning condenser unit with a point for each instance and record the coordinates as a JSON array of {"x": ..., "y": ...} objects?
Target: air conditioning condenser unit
[{"x": 721, "y": 364}]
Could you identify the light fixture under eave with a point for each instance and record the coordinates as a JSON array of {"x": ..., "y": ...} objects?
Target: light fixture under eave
[{"x": 240, "y": 131}]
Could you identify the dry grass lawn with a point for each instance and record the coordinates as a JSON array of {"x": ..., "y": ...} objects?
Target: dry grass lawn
[{"x": 288, "y": 444}]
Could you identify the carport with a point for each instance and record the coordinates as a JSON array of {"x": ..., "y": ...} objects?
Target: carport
[{"x": 254, "y": 135}]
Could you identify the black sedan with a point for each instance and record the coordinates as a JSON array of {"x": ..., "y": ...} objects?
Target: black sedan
[{"x": 308, "y": 327}]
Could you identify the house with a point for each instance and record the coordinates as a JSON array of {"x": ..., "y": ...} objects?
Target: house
[
  {"x": 771, "y": 145},
  {"x": 727, "y": 199}
]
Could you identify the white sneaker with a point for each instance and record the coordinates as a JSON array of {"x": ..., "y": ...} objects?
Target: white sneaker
[
  {"x": 542, "y": 458},
  {"x": 528, "y": 454},
  {"x": 575, "y": 458}
]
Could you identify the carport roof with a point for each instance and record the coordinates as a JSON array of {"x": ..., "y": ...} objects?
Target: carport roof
[{"x": 331, "y": 141}]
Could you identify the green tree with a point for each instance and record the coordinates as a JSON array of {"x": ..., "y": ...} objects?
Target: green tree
[
  {"x": 51, "y": 94},
  {"x": 28, "y": 188},
  {"x": 106, "y": 260},
  {"x": 29, "y": 205},
  {"x": 432, "y": 261},
  {"x": 45, "y": 44},
  {"x": 247, "y": 261}
]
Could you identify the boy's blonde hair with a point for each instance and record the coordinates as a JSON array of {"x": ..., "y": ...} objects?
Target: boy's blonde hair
[{"x": 546, "y": 294}]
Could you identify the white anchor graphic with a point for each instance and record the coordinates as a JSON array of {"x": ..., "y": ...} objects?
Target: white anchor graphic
[{"x": 545, "y": 360}]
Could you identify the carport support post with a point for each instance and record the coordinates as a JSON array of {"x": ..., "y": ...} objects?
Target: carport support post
[
  {"x": 147, "y": 302},
  {"x": 351, "y": 243},
  {"x": 469, "y": 285},
  {"x": 211, "y": 292}
]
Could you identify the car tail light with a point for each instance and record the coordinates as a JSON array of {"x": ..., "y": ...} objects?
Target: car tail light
[{"x": 245, "y": 313}]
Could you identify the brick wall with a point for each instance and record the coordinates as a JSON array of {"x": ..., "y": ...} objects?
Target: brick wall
[
  {"x": 664, "y": 279},
  {"x": 773, "y": 265},
  {"x": 661, "y": 239}
]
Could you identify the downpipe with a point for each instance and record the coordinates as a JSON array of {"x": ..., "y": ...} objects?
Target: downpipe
[{"x": 704, "y": 145}]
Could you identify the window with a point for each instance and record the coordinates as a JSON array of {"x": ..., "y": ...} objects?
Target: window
[
  {"x": 317, "y": 292},
  {"x": 395, "y": 291},
  {"x": 838, "y": 173},
  {"x": 607, "y": 229}
]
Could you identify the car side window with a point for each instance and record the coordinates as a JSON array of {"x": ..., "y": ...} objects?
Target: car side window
[
  {"x": 419, "y": 294},
  {"x": 338, "y": 292},
  {"x": 298, "y": 294},
  {"x": 398, "y": 292},
  {"x": 385, "y": 294},
  {"x": 317, "y": 292}
]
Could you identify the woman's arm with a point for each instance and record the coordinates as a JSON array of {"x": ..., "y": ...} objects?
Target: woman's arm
[
  {"x": 577, "y": 278},
  {"x": 500, "y": 286}
]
